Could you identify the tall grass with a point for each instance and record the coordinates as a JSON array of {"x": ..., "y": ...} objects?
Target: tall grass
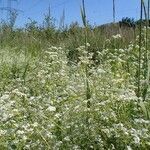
[
  {"x": 114, "y": 11},
  {"x": 86, "y": 68},
  {"x": 142, "y": 91},
  {"x": 148, "y": 10},
  {"x": 146, "y": 55},
  {"x": 140, "y": 50},
  {"x": 84, "y": 20}
]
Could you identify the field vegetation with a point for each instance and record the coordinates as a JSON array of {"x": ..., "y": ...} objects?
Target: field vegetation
[{"x": 76, "y": 87}]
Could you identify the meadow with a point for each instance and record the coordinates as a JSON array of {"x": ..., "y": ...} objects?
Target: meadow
[{"x": 77, "y": 88}]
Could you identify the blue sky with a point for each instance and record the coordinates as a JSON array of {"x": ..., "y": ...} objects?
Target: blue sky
[{"x": 98, "y": 11}]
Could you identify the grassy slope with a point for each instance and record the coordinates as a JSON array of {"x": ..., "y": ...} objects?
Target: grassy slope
[{"x": 43, "y": 91}]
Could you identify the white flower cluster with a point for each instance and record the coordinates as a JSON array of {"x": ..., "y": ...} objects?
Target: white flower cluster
[
  {"x": 117, "y": 36},
  {"x": 46, "y": 106}
]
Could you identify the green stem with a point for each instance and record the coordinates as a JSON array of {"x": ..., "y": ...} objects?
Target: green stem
[{"x": 139, "y": 57}]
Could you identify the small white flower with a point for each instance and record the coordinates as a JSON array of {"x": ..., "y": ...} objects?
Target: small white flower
[
  {"x": 117, "y": 36},
  {"x": 18, "y": 93},
  {"x": 15, "y": 111},
  {"x": 76, "y": 147},
  {"x": 87, "y": 44},
  {"x": 67, "y": 138},
  {"x": 129, "y": 148},
  {"x": 136, "y": 140},
  {"x": 51, "y": 108},
  {"x": 32, "y": 98},
  {"x": 35, "y": 124},
  {"x": 2, "y": 132},
  {"x": 20, "y": 132},
  {"x": 5, "y": 97},
  {"x": 24, "y": 138},
  {"x": 58, "y": 115}
]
